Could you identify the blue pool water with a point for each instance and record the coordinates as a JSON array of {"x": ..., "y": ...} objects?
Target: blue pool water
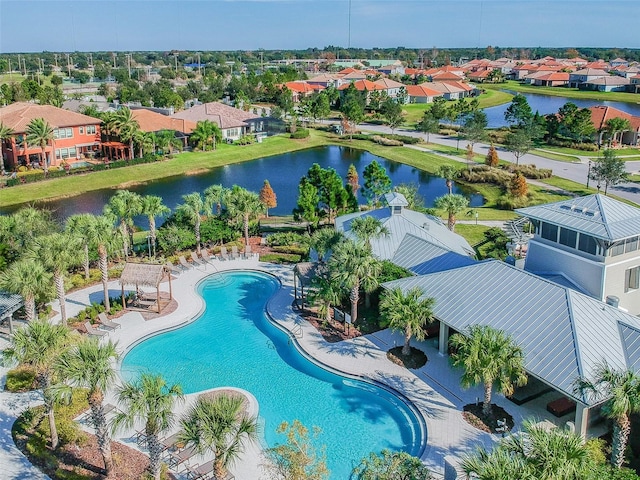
[{"x": 234, "y": 344}]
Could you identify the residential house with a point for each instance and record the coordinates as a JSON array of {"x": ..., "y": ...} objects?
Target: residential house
[
  {"x": 626, "y": 72},
  {"x": 233, "y": 122},
  {"x": 606, "y": 84},
  {"x": 578, "y": 77},
  {"x": 74, "y": 135},
  {"x": 365, "y": 86},
  {"x": 635, "y": 84},
  {"x": 449, "y": 90},
  {"x": 325, "y": 80},
  {"x": 599, "y": 116},
  {"x": 618, "y": 62},
  {"x": 553, "y": 79},
  {"x": 394, "y": 69},
  {"x": 150, "y": 121},
  {"x": 391, "y": 87},
  {"x": 300, "y": 89},
  {"x": 421, "y": 94}
]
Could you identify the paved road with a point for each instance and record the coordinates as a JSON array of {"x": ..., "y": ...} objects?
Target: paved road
[{"x": 568, "y": 170}]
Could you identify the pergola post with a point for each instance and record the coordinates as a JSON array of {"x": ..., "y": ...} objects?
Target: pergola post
[
  {"x": 170, "y": 290},
  {"x": 582, "y": 420},
  {"x": 158, "y": 296},
  {"x": 124, "y": 303},
  {"x": 443, "y": 338}
]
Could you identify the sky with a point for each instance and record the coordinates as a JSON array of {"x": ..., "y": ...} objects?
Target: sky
[{"x": 131, "y": 25}]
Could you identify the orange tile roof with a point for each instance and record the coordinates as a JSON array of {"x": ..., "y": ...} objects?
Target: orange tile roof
[
  {"x": 600, "y": 114},
  {"x": 462, "y": 85},
  {"x": 422, "y": 91},
  {"x": 223, "y": 115},
  {"x": 445, "y": 76},
  {"x": 362, "y": 85},
  {"x": 154, "y": 122},
  {"x": 554, "y": 76},
  {"x": 18, "y": 115},
  {"x": 302, "y": 87},
  {"x": 347, "y": 70}
]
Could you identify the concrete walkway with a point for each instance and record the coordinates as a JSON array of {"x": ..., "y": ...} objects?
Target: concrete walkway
[{"x": 433, "y": 389}]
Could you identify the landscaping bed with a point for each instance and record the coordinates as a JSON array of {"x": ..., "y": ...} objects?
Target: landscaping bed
[
  {"x": 416, "y": 359},
  {"x": 474, "y": 416}
]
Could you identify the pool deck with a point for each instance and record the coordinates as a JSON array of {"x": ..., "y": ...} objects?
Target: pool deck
[{"x": 434, "y": 389}]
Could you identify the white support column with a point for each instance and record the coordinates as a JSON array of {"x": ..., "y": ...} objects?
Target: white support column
[
  {"x": 582, "y": 420},
  {"x": 443, "y": 339}
]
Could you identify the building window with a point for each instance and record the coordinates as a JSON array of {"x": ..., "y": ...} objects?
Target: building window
[
  {"x": 587, "y": 244},
  {"x": 72, "y": 151},
  {"x": 549, "y": 232},
  {"x": 81, "y": 130},
  {"x": 632, "y": 279},
  {"x": 63, "y": 133},
  {"x": 568, "y": 237},
  {"x": 631, "y": 245},
  {"x": 617, "y": 249},
  {"x": 91, "y": 129}
]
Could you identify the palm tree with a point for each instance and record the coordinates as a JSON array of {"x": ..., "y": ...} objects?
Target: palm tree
[
  {"x": 126, "y": 126},
  {"x": 324, "y": 240},
  {"x": 408, "y": 313},
  {"x": 221, "y": 426},
  {"x": 148, "y": 399},
  {"x": 102, "y": 236},
  {"x": 57, "y": 252},
  {"x": 452, "y": 204},
  {"x": 40, "y": 133},
  {"x": 78, "y": 226},
  {"x": 616, "y": 125},
  {"x": 367, "y": 228},
  {"x": 448, "y": 172},
  {"x": 351, "y": 265},
  {"x": 90, "y": 365},
  {"x": 193, "y": 208},
  {"x": 38, "y": 345},
  {"x": 153, "y": 207},
  {"x": 326, "y": 294},
  {"x": 28, "y": 278},
  {"x": 146, "y": 142},
  {"x": 215, "y": 195},
  {"x": 488, "y": 356},
  {"x": 166, "y": 140},
  {"x": 122, "y": 207},
  {"x": 26, "y": 225},
  {"x": 244, "y": 206},
  {"x": 5, "y": 134},
  {"x": 622, "y": 391},
  {"x": 206, "y": 132}
]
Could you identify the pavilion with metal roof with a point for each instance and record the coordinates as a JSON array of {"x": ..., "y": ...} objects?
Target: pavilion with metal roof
[
  {"x": 564, "y": 333},
  {"x": 9, "y": 304}
]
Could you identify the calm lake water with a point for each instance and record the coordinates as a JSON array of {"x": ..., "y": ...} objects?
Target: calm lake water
[
  {"x": 546, "y": 104},
  {"x": 282, "y": 171}
]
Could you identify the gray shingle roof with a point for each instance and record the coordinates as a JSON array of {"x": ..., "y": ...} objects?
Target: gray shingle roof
[
  {"x": 564, "y": 334},
  {"x": 421, "y": 256},
  {"x": 596, "y": 215}
]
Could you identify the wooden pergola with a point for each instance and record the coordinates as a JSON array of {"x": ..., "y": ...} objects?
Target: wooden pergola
[
  {"x": 303, "y": 275},
  {"x": 144, "y": 275},
  {"x": 9, "y": 304}
]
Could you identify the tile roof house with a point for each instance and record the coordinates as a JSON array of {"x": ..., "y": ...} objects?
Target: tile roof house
[
  {"x": 599, "y": 116},
  {"x": 75, "y": 134},
  {"x": 611, "y": 83},
  {"x": 392, "y": 87},
  {"x": 149, "y": 121},
  {"x": 233, "y": 122},
  {"x": 300, "y": 89},
  {"x": 553, "y": 79},
  {"x": 421, "y": 93},
  {"x": 578, "y": 77}
]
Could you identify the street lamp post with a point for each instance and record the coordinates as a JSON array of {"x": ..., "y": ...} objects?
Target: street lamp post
[{"x": 589, "y": 174}]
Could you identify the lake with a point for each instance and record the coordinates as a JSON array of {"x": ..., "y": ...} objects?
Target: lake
[
  {"x": 282, "y": 171},
  {"x": 546, "y": 104}
]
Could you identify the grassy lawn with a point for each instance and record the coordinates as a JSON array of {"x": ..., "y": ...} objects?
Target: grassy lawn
[
  {"x": 554, "y": 156},
  {"x": 565, "y": 92},
  {"x": 472, "y": 233}
]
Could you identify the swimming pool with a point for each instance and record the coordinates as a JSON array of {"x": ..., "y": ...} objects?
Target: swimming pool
[{"x": 233, "y": 343}]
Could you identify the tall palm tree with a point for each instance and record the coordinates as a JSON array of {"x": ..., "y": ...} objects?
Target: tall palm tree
[
  {"x": 5, "y": 134},
  {"x": 453, "y": 205},
  {"x": 215, "y": 195},
  {"x": 28, "y": 278},
  {"x": 167, "y": 141},
  {"x": 90, "y": 365},
  {"x": 326, "y": 294},
  {"x": 205, "y": 133},
  {"x": 78, "y": 226},
  {"x": 126, "y": 126},
  {"x": 57, "y": 252},
  {"x": 25, "y": 226},
  {"x": 38, "y": 345},
  {"x": 102, "y": 236},
  {"x": 367, "y": 228},
  {"x": 324, "y": 240},
  {"x": 616, "y": 125},
  {"x": 153, "y": 207},
  {"x": 244, "y": 206},
  {"x": 621, "y": 388},
  {"x": 349, "y": 266},
  {"x": 122, "y": 207},
  {"x": 488, "y": 356},
  {"x": 193, "y": 208},
  {"x": 219, "y": 425},
  {"x": 146, "y": 142},
  {"x": 408, "y": 312},
  {"x": 448, "y": 172},
  {"x": 40, "y": 133},
  {"x": 151, "y": 400}
]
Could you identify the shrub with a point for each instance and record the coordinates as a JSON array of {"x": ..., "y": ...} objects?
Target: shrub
[
  {"x": 401, "y": 138},
  {"x": 486, "y": 174},
  {"x": 301, "y": 133},
  {"x": 356, "y": 136},
  {"x": 21, "y": 379},
  {"x": 294, "y": 249},
  {"x": 288, "y": 238},
  {"x": 589, "y": 147},
  {"x": 530, "y": 171},
  {"x": 31, "y": 176},
  {"x": 386, "y": 141},
  {"x": 390, "y": 271},
  {"x": 217, "y": 231},
  {"x": 245, "y": 140},
  {"x": 509, "y": 202},
  {"x": 173, "y": 238}
]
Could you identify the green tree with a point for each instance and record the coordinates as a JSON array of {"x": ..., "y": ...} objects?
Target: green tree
[
  {"x": 320, "y": 106},
  {"x": 307, "y": 205},
  {"x": 297, "y": 459},
  {"x": 5, "y": 134},
  {"x": 449, "y": 173},
  {"x": 325, "y": 294},
  {"x": 324, "y": 240},
  {"x": 474, "y": 127},
  {"x": 453, "y": 205},
  {"x": 205, "y": 133},
  {"x": 214, "y": 195},
  {"x": 193, "y": 208},
  {"x": 90, "y": 365},
  {"x": 519, "y": 112},
  {"x": 57, "y": 252},
  {"x": 102, "y": 236},
  {"x": 408, "y": 313},
  {"x": 352, "y": 108},
  {"x": 616, "y": 125},
  {"x": 621, "y": 389},
  {"x": 121, "y": 208},
  {"x": 38, "y": 345},
  {"x": 126, "y": 126},
  {"x": 388, "y": 465},
  {"x": 167, "y": 141},
  {"x": 392, "y": 113},
  {"x": 40, "y": 133},
  {"x": 376, "y": 182},
  {"x": 367, "y": 228},
  {"x": 490, "y": 357},
  {"x": 609, "y": 169},
  {"x": 78, "y": 226},
  {"x": 244, "y": 206},
  {"x": 148, "y": 399},
  {"x": 518, "y": 142},
  {"x": 29, "y": 279},
  {"x": 439, "y": 108},
  {"x": 218, "y": 425},
  {"x": 428, "y": 124},
  {"x": 152, "y": 207}
]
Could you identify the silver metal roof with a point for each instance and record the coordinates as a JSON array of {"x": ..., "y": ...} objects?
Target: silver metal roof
[
  {"x": 596, "y": 215},
  {"x": 395, "y": 199},
  {"x": 9, "y": 303},
  {"x": 564, "y": 334},
  {"x": 421, "y": 256},
  {"x": 401, "y": 224}
]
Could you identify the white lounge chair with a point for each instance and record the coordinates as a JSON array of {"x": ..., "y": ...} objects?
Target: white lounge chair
[
  {"x": 247, "y": 252},
  {"x": 199, "y": 471},
  {"x": 173, "y": 269},
  {"x": 223, "y": 253},
  {"x": 234, "y": 252},
  {"x": 206, "y": 257},
  {"x": 106, "y": 323},
  {"x": 94, "y": 332},
  {"x": 184, "y": 263},
  {"x": 196, "y": 260}
]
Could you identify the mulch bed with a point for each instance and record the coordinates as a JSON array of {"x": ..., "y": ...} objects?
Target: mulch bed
[
  {"x": 473, "y": 415},
  {"x": 333, "y": 331},
  {"x": 416, "y": 359}
]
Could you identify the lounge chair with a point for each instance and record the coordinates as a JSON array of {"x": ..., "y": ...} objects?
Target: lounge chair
[
  {"x": 106, "y": 323},
  {"x": 178, "y": 458},
  {"x": 173, "y": 269},
  {"x": 247, "y": 252},
  {"x": 234, "y": 252},
  {"x": 197, "y": 261},
  {"x": 184, "y": 263},
  {"x": 94, "y": 332},
  {"x": 169, "y": 442},
  {"x": 206, "y": 257},
  {"x": 199, "y": 471},
  {"x": 223, "y": 253}
]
